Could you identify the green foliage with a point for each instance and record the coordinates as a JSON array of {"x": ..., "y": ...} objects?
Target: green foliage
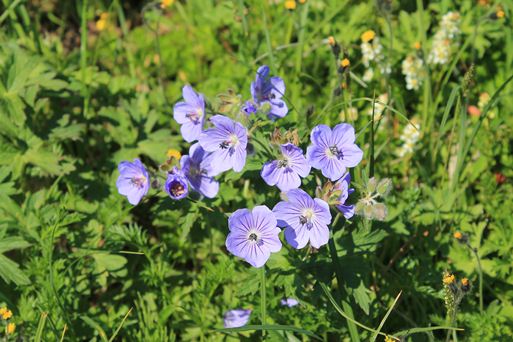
[{"x": 76, "y": 260}]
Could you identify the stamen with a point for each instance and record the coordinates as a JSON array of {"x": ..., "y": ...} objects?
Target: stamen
[
  {"x": 138, "y": 181},
  {"x": 176, "y": 189},
  {"x": 283, "y": 163},
  {"x": 335, "y": 152}
]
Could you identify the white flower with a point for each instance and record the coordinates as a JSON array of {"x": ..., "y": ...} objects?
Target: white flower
[
  {"x": 409, "y": 137},
  {"x": 368, "y": 75},
  {"x": 412, "y": 68},
  {"x": 444, "y": 38},
  {"x": 379, "y": 106}
]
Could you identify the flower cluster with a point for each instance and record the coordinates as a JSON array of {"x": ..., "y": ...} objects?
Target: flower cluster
[
  {"x": 6, "y": 315},
  {"x": 254, "y": 234},
  {"x": 444, "y": 38},
  {"x": 413, "y": 71},
  {"x": 218, "y": 148},
  {"x": 410, "y": 136},
  {"x": 223, "y": 145},
  {"x": 372, "y": 53},
  {"x": 484, "y": 98},
  {"x": 454, "y": 292}
]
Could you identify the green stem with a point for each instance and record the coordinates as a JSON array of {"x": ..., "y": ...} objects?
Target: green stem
[
  {"x": 263, "y": 299},
  {"x": 8, "y": 10},
  {"x": 340, "y": 280},
  {"x": 480, "y": 271},
  {"x": 83, "y": 56}
]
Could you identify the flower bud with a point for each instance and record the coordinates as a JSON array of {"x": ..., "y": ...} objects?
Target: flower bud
[{"x": 384, "y": 186}]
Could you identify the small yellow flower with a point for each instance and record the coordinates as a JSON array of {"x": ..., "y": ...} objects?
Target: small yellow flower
[
  {"x": 389, "y": 339},
  {"x": 290, "y": 4},
  {"x": 166, "y": 3},
  {"x": 331, "y": 41},
  {"x": 500, "y": 14},
  {"x": 11, "y": 327},
  {"x": 464, "y": 282},
  {"x": 449, "y": 279},
  {"x": 172, "y": 153},
  {"x": 417, "y": 45},
  {"x": 367, "y": 36},
  {"x": 7, "y": 314},
  {"x": 345, "y": 63},
  {"x": 101, "y": 24},
  {"x": 458, "y": 235}
]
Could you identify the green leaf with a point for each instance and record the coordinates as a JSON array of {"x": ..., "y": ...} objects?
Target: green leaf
[
  {"x": 10, "y": 272},
  {"x": 11, "y": 243},
  {"x": 95, "y": 326}
]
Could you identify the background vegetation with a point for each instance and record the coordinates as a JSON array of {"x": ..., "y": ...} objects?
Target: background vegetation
[{"x": 87, "y": 84}]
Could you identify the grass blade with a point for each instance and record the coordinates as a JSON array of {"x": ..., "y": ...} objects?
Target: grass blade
[
  {"x": 271, "y": 327},
  {"x": 385, "y": 317},
  {"x": 424, "y": 330},
  {"x": 346, "y": 316},
  {"x": 120, "y": 326},
  {"x": 40, "y": 327}
]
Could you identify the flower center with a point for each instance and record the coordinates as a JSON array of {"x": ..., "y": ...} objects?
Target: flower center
[
  {"x": 195, "y": 116},
  {"x": 333, "y": 151},
  {"x": 176, "y": 189},
  {"x": 283, "y": 162},
  {"x": 138, "y": 181},
  {"x": 306, "y": 218},
  {"x": 254, "y": 237},
  {"x": 230, "y": 142}
]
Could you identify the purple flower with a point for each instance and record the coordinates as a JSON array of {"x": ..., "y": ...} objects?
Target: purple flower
[
  {"x": 227, "y": 141},
  {"x": 190, "y": 114},
  {"x": 305, "y": 219},
  {"x": 249, "y": 108},
  {"x": 133, "y": 181},
  {"x": 176, "y": 184},
  {"x": 253, "y": 235},
  {"x": 333, "y": 151},
  {"x": 197, "y": 167},
  {"x": 290, "y": 302},
  {"x": 236, "y": 318},
  {"x": 285, "y": 172},
  {"x": 269, "y": 90},
  {"x": 343, "y": 186}
]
